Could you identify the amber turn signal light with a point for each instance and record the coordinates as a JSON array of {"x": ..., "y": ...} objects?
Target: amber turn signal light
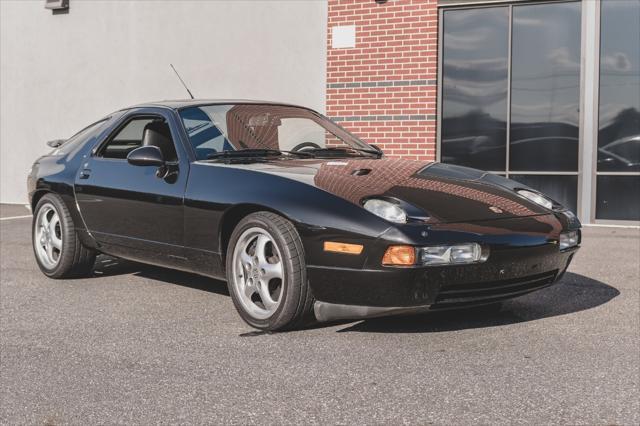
[
  {"x": 343, "y": 247},
  {"x": 399, "y": 256}
]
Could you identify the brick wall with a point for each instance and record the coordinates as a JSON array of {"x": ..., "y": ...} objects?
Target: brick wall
[{"x": 384, "y": 88}]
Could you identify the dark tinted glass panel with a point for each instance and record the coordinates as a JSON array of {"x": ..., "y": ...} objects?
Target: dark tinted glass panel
[
  {"x": 619, "y": 136},
  {"x": 474, "y": 93},
  {"x": 618, "y": 197},
  {"x": 562, "y": 188},
  {"x": 545, "y": 87}
]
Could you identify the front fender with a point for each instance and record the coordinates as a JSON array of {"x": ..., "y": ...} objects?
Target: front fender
[{"x": 318, "y": 215}]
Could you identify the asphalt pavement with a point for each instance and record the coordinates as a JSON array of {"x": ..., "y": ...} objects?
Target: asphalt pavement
[{"x": 144, "y": 345}]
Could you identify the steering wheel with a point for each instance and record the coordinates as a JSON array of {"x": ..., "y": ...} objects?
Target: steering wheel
[{"x": 304, "y": 146}]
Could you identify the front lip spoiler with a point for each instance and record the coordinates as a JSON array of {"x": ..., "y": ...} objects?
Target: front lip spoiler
[{"x": 325, "y": 312}]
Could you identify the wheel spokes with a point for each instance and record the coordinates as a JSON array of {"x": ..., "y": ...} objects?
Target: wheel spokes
[
  {"x": 49, "y": 249},
  {"x": 271, "y": 271},
  {"x": 55, "y": 220},
  {"x": 48, "y": 236},
  {"x": 245, "y": 260},
  {"x": 265, "y": 295},
  {"x": 258, "y": 272},
  {"x": 261, "y": 246},
  {"x": 54, "y": 227},
  {"x": 249, "y": 289},
  {"x": 56, "y": 242},
  {"x": 44, "y": 221}
]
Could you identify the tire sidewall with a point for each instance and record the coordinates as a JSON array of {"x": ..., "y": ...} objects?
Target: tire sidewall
[{"x": 290, "y": 290}]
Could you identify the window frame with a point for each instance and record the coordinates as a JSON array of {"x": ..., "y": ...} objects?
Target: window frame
[
  {"x": 190, "y": 149},
  {"x": 595, "y": 88},
  {"x": 124, "y": 121}
]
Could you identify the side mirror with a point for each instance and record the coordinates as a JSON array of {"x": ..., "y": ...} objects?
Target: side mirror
[
  {"x": 56, "y": 143},
  {"x": 146, "y": 156}
]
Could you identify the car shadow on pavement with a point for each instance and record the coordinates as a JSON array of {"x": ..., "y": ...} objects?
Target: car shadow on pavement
[
  {"x": 107, "y": 266},
  {"x": 573, "y": 293}
]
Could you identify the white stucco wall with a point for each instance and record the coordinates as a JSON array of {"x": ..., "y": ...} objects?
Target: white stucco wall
[{"x": 61, "y": 72}]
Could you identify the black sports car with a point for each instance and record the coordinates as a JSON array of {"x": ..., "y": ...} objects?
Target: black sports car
[{"x": 301, "y": 218}]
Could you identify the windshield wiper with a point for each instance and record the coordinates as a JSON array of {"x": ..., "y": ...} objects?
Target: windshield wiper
[
  {"x": 254, "y": 153},
  {"x": 340, "y": 150},
  {"x": 248, "y": 152}
]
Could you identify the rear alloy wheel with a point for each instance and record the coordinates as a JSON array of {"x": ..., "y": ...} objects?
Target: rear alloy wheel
[
  {"x": 57, "y": 248},
  {"x": 266, "y": 273},
  {"x": 48, "y": 236}
]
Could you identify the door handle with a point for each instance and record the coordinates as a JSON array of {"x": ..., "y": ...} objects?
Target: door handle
[{"x": 85, "y": 173}]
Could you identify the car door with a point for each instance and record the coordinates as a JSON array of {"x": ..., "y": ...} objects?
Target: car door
[{"x": 133, "y": 211}]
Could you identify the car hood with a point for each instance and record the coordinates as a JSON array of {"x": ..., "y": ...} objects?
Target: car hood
[{"x": 446, "y": 193}]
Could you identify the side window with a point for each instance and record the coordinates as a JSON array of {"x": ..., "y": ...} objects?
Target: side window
[
  {"x": 126, "y": 140},
  {"x": 138, "y": 132}
]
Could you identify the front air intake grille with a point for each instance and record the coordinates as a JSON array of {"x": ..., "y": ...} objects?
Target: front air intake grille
[{"x": 459, "y": 295}]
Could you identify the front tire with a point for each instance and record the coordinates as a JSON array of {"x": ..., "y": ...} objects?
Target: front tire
[
  {"x": 266, "y": 273},
  {"x": 57, "y": 248}
]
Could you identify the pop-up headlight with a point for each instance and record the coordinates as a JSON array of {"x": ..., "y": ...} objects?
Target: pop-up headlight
[
  {"x": 386, "y": 210},
  {"x": 536, "y": 198}
]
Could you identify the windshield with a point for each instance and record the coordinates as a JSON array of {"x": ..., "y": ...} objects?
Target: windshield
[{"x": 213, "y": 129}]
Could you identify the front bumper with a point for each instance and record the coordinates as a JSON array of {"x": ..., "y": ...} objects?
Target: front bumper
[{"x": 509, "y": 272}]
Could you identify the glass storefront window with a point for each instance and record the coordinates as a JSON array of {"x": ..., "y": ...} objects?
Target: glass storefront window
[
  {"x": 618, "y": 197},
  {"x": 545, "y": 87},
  {"x": 474, "y": 108},
  {"x": 529, "y": 85},
  {"x": 511, "y": 98},
  {"x": 619, "y": 113}
]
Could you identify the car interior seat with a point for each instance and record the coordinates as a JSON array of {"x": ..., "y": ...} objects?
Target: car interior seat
[{"x": 157, "y": 133}]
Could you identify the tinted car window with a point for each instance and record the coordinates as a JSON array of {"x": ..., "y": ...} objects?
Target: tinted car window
[
  {"x": 126, "y": 139},
  {"x": 139, "y": 131}
]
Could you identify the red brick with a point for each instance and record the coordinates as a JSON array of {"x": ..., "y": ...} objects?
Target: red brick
[{"x": 394, "y": 41}]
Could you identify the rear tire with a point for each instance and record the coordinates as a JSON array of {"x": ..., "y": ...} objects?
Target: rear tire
[
  {"x": 266, "y": 273},
  {"x": 57, "y": 248}
]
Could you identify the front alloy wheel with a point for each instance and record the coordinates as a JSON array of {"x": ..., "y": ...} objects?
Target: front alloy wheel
[
  {"x": 258, "y": 273},
  {"x": 266, "y": 273}
]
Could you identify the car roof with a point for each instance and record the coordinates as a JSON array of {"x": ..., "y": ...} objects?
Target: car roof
[{"x": 182, "y": 103}]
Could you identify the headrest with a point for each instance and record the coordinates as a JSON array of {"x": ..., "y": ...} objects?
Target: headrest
[{"x": 156, "y": 133}]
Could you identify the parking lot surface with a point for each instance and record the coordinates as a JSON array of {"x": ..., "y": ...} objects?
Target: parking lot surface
[{"x": 140, "y": 344}]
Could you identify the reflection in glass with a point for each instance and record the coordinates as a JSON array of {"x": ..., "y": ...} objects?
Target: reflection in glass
[
  {"x": 619, "y": 135},
  {"x": 545, "y": 87},
  {"x": 618, "y": 197},
  {"x": 474, "y": 93},
  {"x": 561, "y": 188}
]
